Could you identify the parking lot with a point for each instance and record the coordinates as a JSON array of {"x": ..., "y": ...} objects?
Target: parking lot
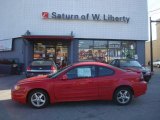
[{"x": 146, "y": 107}]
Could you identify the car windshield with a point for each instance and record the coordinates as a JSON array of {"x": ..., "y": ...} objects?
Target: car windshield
[
  {"x": 53, "y": 75},
  {"x": 41, "y": 63},
  {"x": 129, "y": 63}
]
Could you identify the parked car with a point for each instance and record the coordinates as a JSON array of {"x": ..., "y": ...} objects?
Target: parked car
[
  {"x": 79, "y": 82},
  {"x": 156, "y": 63},
  {"x": 134, "y": 65},
  {"x": 41, "y": 67}
]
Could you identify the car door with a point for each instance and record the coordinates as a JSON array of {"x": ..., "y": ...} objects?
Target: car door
[
  {"x": 105, "y": 81},
  {"x": 79, "y": 85}
]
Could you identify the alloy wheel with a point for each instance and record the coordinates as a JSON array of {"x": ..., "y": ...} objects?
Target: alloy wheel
[
  {"x": 123, "y": 96},
  {"x": 38, "y": 99}
]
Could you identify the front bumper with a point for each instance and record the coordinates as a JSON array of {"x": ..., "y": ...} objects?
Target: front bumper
[{"x": 19, "y": 96}]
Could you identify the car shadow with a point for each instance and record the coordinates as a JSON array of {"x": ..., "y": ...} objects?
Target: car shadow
[{"x": 90, "y": 104}]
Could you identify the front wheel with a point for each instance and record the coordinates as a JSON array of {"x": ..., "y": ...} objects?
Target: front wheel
[
  {"x": 38, "y": 99},
  {"x": 123, "y": 96}
]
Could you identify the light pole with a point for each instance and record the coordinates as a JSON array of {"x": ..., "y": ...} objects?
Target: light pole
[{"x": 151, "y": 46}]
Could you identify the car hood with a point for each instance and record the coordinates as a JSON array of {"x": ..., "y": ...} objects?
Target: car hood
[{"x": 33, "y": 79}]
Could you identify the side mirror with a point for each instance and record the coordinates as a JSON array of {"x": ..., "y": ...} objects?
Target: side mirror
[{"x": 64, "y": 77}]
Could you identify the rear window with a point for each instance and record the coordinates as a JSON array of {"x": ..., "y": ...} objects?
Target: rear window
[
  {"x": 41, "y": 63},
  {"x": 103, "y": 71}
]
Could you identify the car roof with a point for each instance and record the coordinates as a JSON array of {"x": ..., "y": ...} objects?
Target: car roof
[
  {"x": 90, "y": 63},
  {"x": 126, "y": 59},
  {"x": 42, "y": 60},
  {"x": 97, "y": 64}
]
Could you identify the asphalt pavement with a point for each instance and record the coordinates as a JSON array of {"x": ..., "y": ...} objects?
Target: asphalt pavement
[{"x": 146, "y": 107}]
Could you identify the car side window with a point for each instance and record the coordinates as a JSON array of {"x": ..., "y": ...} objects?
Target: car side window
[
  {"x": 113, "y": 62},
  {"x": 103, "y": 71},
  {"x": 81, "y": 72}
]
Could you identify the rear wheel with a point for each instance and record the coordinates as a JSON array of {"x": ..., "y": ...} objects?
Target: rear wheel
[
  {"x": 38, "y": 99},
  {"x": 123, "y": 96}
]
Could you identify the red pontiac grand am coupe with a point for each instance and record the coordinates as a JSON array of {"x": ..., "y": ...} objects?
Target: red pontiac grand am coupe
[{"x": 79, "y": 82}]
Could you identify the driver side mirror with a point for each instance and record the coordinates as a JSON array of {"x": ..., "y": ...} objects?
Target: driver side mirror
[{"x": 64, "y": 77}]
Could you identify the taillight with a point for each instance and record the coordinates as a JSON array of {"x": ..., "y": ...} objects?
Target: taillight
[
  {"x": 53, "y": 69},
  {"x": 28, "y": 68}
]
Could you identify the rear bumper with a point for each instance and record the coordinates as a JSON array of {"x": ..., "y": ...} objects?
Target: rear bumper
[
  {"x": 140, "y": 88},
  {"x": 147, "y": 75},
  {"x": 32, "y": 74}
]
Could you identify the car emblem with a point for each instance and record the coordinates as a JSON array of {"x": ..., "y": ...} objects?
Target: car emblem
[
  {"x": 45, "y": 15},
  {"x": 40, "y": 68}
]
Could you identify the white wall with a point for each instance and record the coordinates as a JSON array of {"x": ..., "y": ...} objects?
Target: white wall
[{"x": 18, "y": 16}]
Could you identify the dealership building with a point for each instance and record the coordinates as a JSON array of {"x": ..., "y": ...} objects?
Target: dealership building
[{"x": 73, "y": 30}]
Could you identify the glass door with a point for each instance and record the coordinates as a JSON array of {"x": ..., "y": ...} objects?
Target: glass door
[
  {"x": 56, "y": 51},
  {"x": 62, "y": 55},
  {"x": 51, "y": 53}
]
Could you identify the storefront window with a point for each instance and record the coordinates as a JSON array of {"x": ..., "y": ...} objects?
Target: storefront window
[
  {"x": 100, "y": 51},
  {"x": 114, "y": 50},
  {"x": 105, "y": 51},
  {"x": 128, "y": 49},
  {"x": 85, "y": 50},
  {"x": 58, "y": 52},
  {"x": 39, "y": 51}
]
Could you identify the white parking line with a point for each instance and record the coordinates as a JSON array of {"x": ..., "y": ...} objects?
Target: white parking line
[{"x": 5, "y": 94}]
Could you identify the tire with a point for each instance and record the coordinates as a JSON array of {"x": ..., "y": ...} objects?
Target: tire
[
  {"x": 38, "y": 99},
  {"x": 123, "y": 96},
  {"x": 147, "y": 80},
  {"x": 158, "y": 66}
]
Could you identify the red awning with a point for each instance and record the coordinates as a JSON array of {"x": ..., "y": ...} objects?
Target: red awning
[{"x": 42, "y": 37}]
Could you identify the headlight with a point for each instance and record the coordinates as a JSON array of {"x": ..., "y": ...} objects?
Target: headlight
[{"x": 16, "y": 87}]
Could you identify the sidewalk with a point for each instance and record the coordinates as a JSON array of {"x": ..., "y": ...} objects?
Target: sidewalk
[{"x": 3, "y": 75}]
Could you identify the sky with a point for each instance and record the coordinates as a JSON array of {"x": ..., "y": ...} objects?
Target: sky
[{"x": 154, "y": 13}]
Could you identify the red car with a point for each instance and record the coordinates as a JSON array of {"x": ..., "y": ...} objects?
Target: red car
[{"x": 79, "y": 82}]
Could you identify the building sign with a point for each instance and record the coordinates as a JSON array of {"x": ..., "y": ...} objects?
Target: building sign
[
  {"x": 6, "y": 45},
  {"x": 87, "y": 16}
]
